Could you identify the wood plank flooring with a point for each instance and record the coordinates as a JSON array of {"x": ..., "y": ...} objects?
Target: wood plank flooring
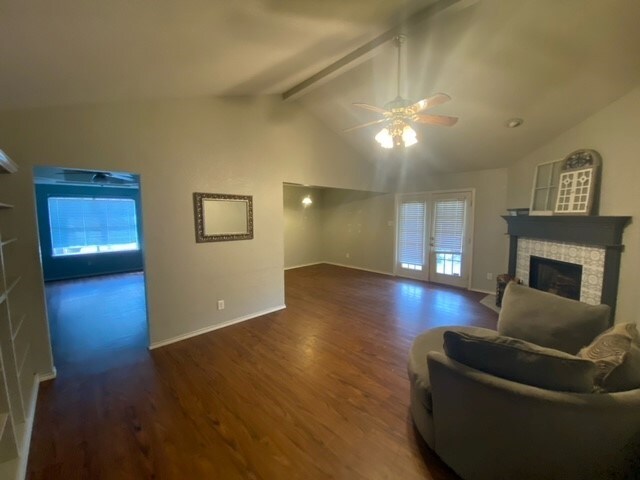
[{"x": 316, "y": 391}]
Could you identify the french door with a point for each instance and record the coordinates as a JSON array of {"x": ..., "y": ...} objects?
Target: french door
[
  {"x": 434, "y": 237},
  {"x": 411, "y": 258},
  {"x": 450, "y": 239}
]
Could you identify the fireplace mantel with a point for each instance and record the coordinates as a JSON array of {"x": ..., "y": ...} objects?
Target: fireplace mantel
[
  {"x": 600, "y": 231},
  {"x": 586, "y": 230}
]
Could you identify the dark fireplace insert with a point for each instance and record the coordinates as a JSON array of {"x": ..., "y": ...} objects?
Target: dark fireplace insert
[{"x": 553, "y": 276}]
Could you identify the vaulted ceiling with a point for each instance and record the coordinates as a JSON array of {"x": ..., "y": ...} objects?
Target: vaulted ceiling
[
  {"x": 77, "y": 51},
  {"x": 550, "y": 62}
]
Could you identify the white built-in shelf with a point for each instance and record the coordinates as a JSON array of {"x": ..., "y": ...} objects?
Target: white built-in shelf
[
  {"x": 6, "y": 164},
  {"x": 23, "y": 360},
  {"x": 15, "y": 331},
  {"x": 12, "y": 284},
  {"x": 7, "y": 241},
  {"x": 4, "y": 417},
  {"x": 16, "y": 385}
]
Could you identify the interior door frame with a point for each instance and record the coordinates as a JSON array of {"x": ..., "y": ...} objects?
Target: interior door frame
[
  {"x": 142, "y": 240},
  {"x": 471, "y": 236}
]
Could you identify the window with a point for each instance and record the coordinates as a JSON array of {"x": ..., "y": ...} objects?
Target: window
[
  {"x": 411, "y": 235},
  {"x": 448, "y": 235},
  {"x": 81, "y": 226},
  {"x": 545, "y": 187},
  {"x": 574, "y": 191}
]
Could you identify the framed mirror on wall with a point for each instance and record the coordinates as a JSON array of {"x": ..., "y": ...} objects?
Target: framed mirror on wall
[{"x": 220, "y": 217}]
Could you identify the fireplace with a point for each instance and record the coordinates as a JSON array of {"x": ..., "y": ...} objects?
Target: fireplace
[
  {"x": 553, "y": 276},
  {"x": 592, "y": 242}
]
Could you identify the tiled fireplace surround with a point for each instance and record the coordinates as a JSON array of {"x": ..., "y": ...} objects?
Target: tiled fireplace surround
[
  {"x": 591, "y": 258},
  {"x": 595, "y": 242}
]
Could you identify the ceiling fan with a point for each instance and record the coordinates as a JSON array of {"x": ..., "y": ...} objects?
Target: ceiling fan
[
  {"x": 400, "y": 113},
  {"x": 95, "y": 176}
]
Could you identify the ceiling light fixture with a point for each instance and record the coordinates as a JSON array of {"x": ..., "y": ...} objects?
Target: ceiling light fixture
[
  {"x": 400, "y": 114},
  {"x": 514, "y": 122},
  {"x": 398, "y": 133},
  {"x": 306, "y": 201}
]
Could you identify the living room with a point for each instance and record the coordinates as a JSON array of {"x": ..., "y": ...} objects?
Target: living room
[{"x": 81, "y": 92}]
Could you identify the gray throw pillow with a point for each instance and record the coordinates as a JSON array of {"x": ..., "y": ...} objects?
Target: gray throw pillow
[
  {"x": 616, "y": 354},
  {"x": 521, "y": 361},
  {"x": 549, "y": 320}
]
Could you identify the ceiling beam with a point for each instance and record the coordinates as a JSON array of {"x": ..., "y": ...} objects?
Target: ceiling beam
[{"x": 366, "y": 51}]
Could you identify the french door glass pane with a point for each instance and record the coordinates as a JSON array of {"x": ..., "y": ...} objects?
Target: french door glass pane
[
  {"x": 411, "y": 235},
  {"x": 448, "y": 264},
  {"x": 448, "y": 235}
]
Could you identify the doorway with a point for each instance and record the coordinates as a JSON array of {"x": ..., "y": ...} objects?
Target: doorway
[
  {"x": 434, "y": 237},
  {"x": 91, "y": 245}
]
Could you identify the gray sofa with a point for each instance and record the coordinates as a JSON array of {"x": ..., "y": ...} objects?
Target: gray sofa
[{"x": 487, "y": 427}]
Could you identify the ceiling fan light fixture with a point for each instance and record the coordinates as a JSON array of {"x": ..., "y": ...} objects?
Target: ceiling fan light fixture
[
  {"x": 399, "y": 114},
  {"x": 384, "y": 138},
  {"x": 409, "y": 136}
]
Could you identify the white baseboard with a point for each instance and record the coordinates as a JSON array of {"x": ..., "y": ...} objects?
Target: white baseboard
[
  {"x": 479, "y": 290},
  {"x": 211, "y": 328},
  {"x": 303, "y": 265},
  {"x": 43, "y": 377},
  {"x": 360, "y": 268}
]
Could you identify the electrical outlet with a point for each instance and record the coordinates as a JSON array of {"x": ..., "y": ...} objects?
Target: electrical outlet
[
  {"x": 348, "y": 255},
  {"x": 220, "y": 304},
  {"x": 489, "y": 276}
]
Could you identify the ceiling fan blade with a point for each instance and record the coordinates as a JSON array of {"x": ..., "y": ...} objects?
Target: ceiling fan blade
[
  {"x": 426, "y": 103},
  {"x": 373, "y": 108},
  {"x": 368, "y": 124},
  {"x": 75, "y": 172},
  {"x": 442, "y": 120}
]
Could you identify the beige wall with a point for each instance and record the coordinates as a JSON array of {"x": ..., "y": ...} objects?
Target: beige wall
[
  {"x": 613, "y": 131},
  {"x": 346, "y": 227},
  {"x": 302, "y": 226},
  {"x": 240, "y": 146},
  {"x": 358, "y": 224},
  {"x": 359, "y": 229}
]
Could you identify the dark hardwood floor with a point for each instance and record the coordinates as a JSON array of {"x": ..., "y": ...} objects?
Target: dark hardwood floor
[
  {"x": 97, "y": 323},
  {"x": 316, "y": 391}
]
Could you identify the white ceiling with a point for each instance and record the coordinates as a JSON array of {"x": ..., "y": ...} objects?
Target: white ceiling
[
  {"x": 77, "y": 51},
  {"x": 551, "y": 62}
]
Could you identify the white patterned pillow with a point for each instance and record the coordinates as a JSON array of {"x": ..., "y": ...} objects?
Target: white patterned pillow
[{"x": 616, "y": 353}]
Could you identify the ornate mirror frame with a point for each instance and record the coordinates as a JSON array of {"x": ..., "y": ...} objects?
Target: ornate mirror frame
[{"x": 203, "y": 234}]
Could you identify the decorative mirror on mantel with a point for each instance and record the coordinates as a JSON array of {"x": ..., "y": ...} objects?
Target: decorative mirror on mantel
[
  {"x": 568, "y": 186},
  {"x": 220, "y": 217}
]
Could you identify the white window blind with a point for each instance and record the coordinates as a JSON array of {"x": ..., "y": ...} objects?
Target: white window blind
[
  {"x": 82, "y": 225},
  {"x": 448, "y": 226},
  {"x": 411, "y": 233}
]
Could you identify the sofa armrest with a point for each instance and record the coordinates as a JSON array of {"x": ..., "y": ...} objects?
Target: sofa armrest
[{"x": 487, "y": 427}]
